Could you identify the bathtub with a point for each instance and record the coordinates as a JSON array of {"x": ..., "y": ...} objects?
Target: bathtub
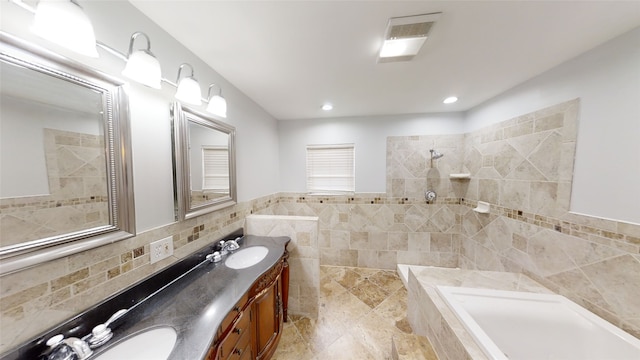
[{"x": 513, "y": 325}]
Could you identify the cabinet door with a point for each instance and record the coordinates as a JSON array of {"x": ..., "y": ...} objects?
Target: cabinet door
[{"x": 268, "y": 311}]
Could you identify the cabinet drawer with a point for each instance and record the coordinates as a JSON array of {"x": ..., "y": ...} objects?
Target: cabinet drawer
[
  {"x": 243, "y": 349},
  {"x": 238, "y": 333},
  {"x": 237, "y": 309}
]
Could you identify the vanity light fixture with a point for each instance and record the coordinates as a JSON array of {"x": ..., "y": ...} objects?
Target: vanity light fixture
[
  {"x": 142, "y": 66},
  {"x": 217, "y": 104},
  {"x": 188, "y": 88},
  {"x": 327, "y": 107},
  {"x": 66, "y": 24},
  {"x": 450, "y": 100}
]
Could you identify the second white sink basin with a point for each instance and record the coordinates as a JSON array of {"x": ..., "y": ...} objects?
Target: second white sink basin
[
  {"x": 246, "y": 257},
  {"x": 154, "y": 344}
]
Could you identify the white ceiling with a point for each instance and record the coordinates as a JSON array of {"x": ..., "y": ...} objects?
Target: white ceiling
[{"x": 292, "y": 56}]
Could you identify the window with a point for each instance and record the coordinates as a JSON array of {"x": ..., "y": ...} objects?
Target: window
[
  {"x": 215, "y": 168},
  {"x": 330, "y": 168}
]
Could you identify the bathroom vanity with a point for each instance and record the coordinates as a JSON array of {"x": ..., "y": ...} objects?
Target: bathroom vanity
[
  {"x": 253, "y": 327},
  {"x": 216, "y": 311}
]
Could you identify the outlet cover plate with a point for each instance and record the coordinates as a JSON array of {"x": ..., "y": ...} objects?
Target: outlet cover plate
[{"x": 161, "y": 249}]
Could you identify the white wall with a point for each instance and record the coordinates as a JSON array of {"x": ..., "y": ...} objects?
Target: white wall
[
  {"x": 256, "y": 131},
  {"x": 606, "y": 179},
  {"x": 369, "y": 134}
]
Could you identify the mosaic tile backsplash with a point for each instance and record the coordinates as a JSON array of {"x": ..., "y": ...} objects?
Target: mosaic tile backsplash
[{"x": 593, "y": 261}]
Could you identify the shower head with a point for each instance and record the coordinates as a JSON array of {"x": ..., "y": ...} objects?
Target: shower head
[{"x": 435, "y": 154}]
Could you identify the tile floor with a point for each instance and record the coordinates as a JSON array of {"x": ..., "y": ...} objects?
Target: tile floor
[{"x": 361, "y": 310}]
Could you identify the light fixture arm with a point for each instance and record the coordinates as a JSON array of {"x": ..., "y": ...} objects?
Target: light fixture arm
[
  {"x": 180, "y": 71},
  {"x": 209, "y": 91},
  {"x": 133, "y": 38}
]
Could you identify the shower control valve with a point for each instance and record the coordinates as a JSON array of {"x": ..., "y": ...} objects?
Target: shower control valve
[{"x": 430, "y": 195}]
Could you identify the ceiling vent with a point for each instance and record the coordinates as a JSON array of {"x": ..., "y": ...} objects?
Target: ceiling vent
[{"x": 405, "y": 35}]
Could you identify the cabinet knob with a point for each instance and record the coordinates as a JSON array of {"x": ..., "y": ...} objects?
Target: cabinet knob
[
  {"x": 236, "y": 308},
  {"x": 237, "y": 352},
  {"x": 237, "y": 331}
]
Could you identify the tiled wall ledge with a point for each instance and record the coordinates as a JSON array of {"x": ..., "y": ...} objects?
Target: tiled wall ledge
[{"x": 361, "y": 198}]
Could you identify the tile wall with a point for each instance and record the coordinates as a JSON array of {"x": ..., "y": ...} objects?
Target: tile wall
[
  {"x": 375, "y": 231},
  {"x": 304, "y": 261},
  {"x": 524, "y": 168},
  {"x": 77, "y": 198},
  {"x": 38, "y": 298}
]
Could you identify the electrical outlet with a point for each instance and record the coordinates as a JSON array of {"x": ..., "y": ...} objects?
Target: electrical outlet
[{"x": 161, "y": 249}]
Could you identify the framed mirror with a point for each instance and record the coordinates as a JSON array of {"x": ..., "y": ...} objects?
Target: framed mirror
[
  {"x": 65, "y": 157},
  {"x": 203, "y": 162}
]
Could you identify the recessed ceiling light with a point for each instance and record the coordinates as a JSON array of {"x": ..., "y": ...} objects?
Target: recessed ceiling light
[
  {"x": 450, "y": 100},
  {"x": 327, "y": 107}
]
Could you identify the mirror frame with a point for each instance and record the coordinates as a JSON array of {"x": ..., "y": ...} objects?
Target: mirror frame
[
  {"x": 180, "y": 117},
  {"x": 117, "y": 155}
]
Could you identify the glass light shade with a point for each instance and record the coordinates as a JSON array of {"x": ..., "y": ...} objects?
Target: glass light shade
[
  {"x": 144, "y": 68},
  {"x": 189, "y": 91},
  {"x": 64, "y": 23},
  {"x": 218, "y": 106}
]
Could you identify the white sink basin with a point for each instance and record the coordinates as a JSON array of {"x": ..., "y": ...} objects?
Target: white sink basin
[
  {"x": 154, "y": 344},
  {"x": 246, "y": 257}
]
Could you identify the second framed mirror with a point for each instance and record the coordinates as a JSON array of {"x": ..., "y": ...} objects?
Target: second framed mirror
[{"x": 203, "y": 162}]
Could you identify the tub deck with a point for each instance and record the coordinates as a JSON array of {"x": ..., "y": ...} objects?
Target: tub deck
[
  {"x": 431, "y": 317},
  {"x": 523, "y": 303}
]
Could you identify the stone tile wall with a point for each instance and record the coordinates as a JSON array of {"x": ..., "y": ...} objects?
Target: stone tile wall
[
  {"x": 38, "y": 298},
  {"x": 78, "y": 197},
  {"x": 304, "y": 260},
  {"x": 524, "y": 168},
  {"x": 375, "y": 231}
]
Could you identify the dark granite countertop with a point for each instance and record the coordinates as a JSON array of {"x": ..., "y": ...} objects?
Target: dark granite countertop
[{"x": 195, "y": 304}]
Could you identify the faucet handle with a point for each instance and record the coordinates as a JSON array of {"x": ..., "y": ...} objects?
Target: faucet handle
[
  {"x": 59, "y": 350},
  {"x": 102, "y": 333},
  {"x": 67, "y": 349}
]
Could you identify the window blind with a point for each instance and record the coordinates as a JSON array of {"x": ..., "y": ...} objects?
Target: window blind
[
  {"x": 215, "y": 169},
  {"x": 330, "y": 168}
]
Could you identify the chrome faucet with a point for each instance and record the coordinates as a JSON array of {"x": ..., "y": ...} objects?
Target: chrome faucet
[
  {"x": 80, "y": 349},
  {"x": 227, "y": 246}
]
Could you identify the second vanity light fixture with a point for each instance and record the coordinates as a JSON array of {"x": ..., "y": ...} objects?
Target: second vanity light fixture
[
  {"x": 217, "y": 103},
  {"x": 142, "y": 66},
  {"x": 188, "y": 88}
]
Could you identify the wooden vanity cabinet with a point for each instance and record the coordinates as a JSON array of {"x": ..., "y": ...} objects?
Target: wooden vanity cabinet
[{"x": 253, "y": 327}]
